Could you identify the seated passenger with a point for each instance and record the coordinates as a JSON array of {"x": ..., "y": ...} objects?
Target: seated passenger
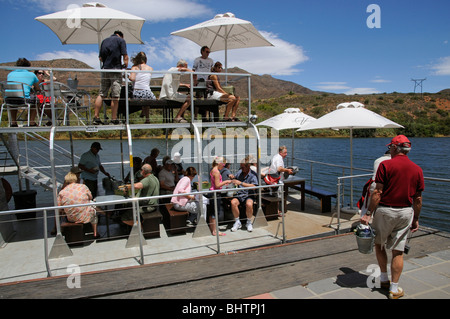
[
  {"x": 188, "y": 202},
  {"x": 142, "y": 82},
  {"x": 30, "y": 79},
  {"x": 169, "y": 89},
  {"x": 168, "y": 178},
  {"x": 137, "y": 167},
  {"x": 245, "y": 177},
  {"x": 216, "y": 92},
  {"x": 75, "y": 193},
  {"x": 44, "y": 100},
  {"x": 147, "y": 187}
]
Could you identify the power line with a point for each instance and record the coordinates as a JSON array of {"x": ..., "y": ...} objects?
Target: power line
[{"x": 418, "y": 83}]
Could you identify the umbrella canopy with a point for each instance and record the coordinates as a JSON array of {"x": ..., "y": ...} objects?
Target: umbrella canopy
[
  {"x": 224, "y": 32},
  {"x": 92, "y": 23},
  {"x": 291, "y": 118},
  {"x": 351, "y": 115}
]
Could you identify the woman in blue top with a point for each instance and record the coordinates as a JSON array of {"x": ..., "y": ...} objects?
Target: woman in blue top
[{"x": 31, "y": 80}]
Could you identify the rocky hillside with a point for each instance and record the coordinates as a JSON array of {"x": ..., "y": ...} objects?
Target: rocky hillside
[
  {"x": 422, "y": 115},
  {"x": 263, "y": 87}
]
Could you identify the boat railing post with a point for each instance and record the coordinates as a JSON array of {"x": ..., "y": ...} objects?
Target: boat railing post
[
  {"x": 281, "y": 191},
  {"x": 60, "y": 247},
  {"x": 136, "y": 237},
  {"x": 202, "y": 228},
  {"x": 47, "y": 264},
  {"x": 216, "y": 222},
  {"x": 338, "y": 203},
  {"x": 260, "y": 219}
]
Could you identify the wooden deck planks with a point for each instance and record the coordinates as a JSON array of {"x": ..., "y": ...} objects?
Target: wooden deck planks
[{"x": 224, "y": 276}]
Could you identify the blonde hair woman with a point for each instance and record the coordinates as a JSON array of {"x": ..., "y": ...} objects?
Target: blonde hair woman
[{"x": 75, "y": 193}]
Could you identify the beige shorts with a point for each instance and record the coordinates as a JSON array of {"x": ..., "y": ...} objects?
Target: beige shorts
[
  {"x": 111, "y": 81},
  {"x": 391, "y": 226}
]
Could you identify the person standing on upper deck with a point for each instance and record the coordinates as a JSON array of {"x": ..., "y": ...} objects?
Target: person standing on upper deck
[
  {"x": 169, "y": 89},
  {"x": 91, "y": 165},
  {"x": 141, "y": 82},
  {"x": 396, "y": 202},
  {"x": 202, "y": 64},
  {"x": 112, "y": 51}
]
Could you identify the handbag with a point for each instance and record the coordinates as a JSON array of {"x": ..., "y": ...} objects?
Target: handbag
[{"x": 271, "y": 179}]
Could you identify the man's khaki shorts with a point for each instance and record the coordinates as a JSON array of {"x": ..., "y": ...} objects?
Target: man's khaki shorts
[
  {"x": 391, "y": 226},
  {"x": 111, "y": 81}
]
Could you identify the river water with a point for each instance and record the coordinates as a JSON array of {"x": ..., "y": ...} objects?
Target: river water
[{"x": 432, "y": 154}]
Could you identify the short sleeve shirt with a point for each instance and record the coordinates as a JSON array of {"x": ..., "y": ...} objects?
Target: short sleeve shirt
[
  {"x": 90, "y": 160},
  {"x": 111, "y": 51},
  {"x": 202, "y": 65},
  {"x": 23, "y": 76},
  {"x": 401, "y": 179},
  {"x": 151, "y": 188}
]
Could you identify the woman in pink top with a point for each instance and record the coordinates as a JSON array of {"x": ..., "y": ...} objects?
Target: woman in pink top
[
  {"x": 217, "y": 183},
  {"x": 187, "y": 202}
]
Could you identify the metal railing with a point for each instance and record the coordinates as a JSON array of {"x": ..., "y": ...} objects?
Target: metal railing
[
  {"x": 431, "y": 204},
  {"x": 60, "y": 249}
]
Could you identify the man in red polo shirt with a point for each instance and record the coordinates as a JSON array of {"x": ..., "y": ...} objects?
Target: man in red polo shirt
[{"x": 397, "y": 200}]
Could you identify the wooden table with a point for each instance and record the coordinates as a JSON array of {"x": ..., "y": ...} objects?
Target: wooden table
[
  {"x": 296, "y": 183},
  {"x": 107, "y": 198}
]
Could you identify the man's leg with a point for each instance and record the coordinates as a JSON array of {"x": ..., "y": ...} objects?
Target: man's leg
[
  {"x": 98, "y": 105},
  {"x": 381, "y": 257},
  {"x": 184, "y": 108},
  {"x": 396, "y": 265},
  {"x": 249, "y": 213},
  {"x": 114, "y": 108}
]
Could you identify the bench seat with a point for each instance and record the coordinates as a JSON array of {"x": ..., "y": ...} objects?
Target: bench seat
[
  {"x": 135, "y": 105},
  {"x": 75, "y": 233},
  {"x": 150, "y": 224},
  {"x": 270, "y": 206},
  {"x": 323, "y": 195},
  {"x": 174, "y": 220}
]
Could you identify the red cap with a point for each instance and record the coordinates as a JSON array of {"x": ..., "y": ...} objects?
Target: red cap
[{"x": 400, "y": 140}]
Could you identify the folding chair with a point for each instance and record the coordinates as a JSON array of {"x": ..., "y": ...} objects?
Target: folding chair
[
  {"x": 74, "y": 102},
  {"x": 14, "y": 97}
]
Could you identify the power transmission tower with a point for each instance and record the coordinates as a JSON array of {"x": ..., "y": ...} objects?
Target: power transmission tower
[{"x": 418, "y": 83}]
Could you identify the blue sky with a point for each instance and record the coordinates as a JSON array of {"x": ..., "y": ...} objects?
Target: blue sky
[{"x": 323, "y": 45}]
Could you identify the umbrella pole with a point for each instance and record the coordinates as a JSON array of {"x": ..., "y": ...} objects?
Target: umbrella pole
[
  {"x": 292, "y": 149},
  {"x": 351, "y": 168}
]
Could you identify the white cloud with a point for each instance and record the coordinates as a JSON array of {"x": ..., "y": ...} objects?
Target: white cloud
[
  {"x": 333, "y": 86},
  {"x": 342, "y": 87},
  {"x": 378, "y": 79},
  {"x": 361, "y": 91},
  {"x": 90, "y": 58},
  {"x": 150, "y": 10},
  {"x": 164, "y": 52},
  {"x": 442, "y": 67}
]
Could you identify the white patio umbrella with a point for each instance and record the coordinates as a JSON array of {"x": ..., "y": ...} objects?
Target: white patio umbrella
[
  {"x": 351, "y": 115},
  {"x": 224, "y": 32},
  {"x": 291, "y": 118},
  {"x": 92, "y": 23}
]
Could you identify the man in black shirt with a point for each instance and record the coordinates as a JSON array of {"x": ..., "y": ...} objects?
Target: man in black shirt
[{"x": 112, "y": 50}]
